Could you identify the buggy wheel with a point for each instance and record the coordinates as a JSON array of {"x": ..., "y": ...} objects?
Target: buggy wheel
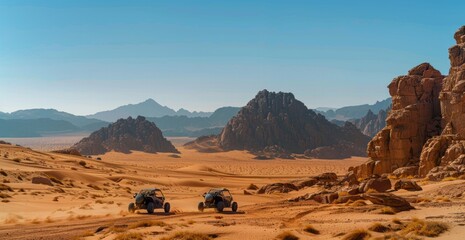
[
  {"x": 150, "y": 207},
  {"x": 220, "y": 206},
  {"x": 167, "y": 207},
  {"x": 234, "y": 207},
  {"x": 131, "y": 208},
  {"x": 201, "y": 206}
]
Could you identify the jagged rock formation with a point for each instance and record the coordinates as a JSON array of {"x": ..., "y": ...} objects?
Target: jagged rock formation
[
  {"x": 126, "y": 135},
  {"x": 371, "y": 123},
  {"x": 280, "y": 121},
  {"x": 426, "y": 127},
  {"x": 399, "y": 144}
]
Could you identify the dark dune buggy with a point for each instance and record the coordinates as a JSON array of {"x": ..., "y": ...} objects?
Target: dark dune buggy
[
  {"x": 218, "y": 198},
  {"x": 150, "y": 199}
]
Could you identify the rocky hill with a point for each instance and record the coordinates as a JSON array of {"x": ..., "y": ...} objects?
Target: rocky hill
[
  {"x": 125, "y": 135},
  {"x": 353, "y": 112},
  {"x": 425, "y": 132},
  {"x": 371, "y": 123},
  {"x": 281, "y": 122}
]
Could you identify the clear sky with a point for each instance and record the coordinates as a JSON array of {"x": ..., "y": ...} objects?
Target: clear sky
[{"x": 87, "y": 56}]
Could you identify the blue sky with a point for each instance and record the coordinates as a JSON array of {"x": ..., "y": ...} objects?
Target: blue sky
[{"x": 87, "y": 56}]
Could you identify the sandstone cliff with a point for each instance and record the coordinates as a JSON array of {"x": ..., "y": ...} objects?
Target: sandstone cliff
[
  {"x": 125, "y": 135},
  {"x": 426, "y": 127}
]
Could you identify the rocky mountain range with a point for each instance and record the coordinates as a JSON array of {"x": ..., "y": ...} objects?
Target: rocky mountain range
[
  {"x": 425, "y": 132},
  {"x": 353, "y": 112},
  {"x": 371, "y": 123},
  {"x": 279, "y": 122},
  {"x": 126, "y": 135},
  {"x": 148, "y": 108}
]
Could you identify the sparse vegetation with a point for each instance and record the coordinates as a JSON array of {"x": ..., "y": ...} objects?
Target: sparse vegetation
[
  {"x": 287, "y": 236},
  {"x": 4, "y": 195},
  {"x": 17, "y": 160},
  {"x": 129, "y": 236},
  {"x": 449, "y": 179},
  {"x": 189, "y": 236},
  {"x": 442, "y": 199},
  {"x": 311, "y": 229},
  {"x": 4, "y": 187},
  {"x": 425, "y": 228},
  {"x": 396, "y": 221},
  {"x": 147, "y": 223},
  {"x": 378, "y": 227},
  {"x": 358, "y": 234},
  {"x": 3, "y": 173},
  {"x": 387, "y": 210}
]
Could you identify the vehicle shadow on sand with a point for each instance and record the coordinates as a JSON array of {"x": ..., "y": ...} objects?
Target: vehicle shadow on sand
[
  {"x": 231, "y": 212},
  {"x": 156, "y": 213}
]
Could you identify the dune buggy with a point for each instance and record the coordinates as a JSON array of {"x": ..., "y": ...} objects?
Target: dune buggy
[
  {"x": 149, "y": 199},
  {"x": 218, "y": 198}
]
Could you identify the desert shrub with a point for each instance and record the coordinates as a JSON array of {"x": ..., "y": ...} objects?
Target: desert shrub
[
  {"x": 129, "y": 236},
  {"x": 378, "y": 227},
  {"x": 358, "y": 234},
  {"x": 396, "y": 221},
  {"x": 4, "y": 187},
  {"x": 188, "y": 236},
  {"x": 147, "y": 223},
  {"x": 99, "y": 158},
  {"x": 4, "y": 195},
  {"x": 449, "y": 179},
  {"x": 17, "y": 160},
  {"x": 311, "y": 229},
  {"x": 3, "y": 173},
  {"x": 5, "y": 200},
  {"x": 287, "y": 236},
  {"x": 425, "y": 228},
  {"x": 387, "y": 210},
  {"x": 82, "y": 163}
]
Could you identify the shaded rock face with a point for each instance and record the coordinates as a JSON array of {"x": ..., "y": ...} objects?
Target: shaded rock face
[
  {"x": 281, "y": 121},
  {"x": 126, "y": 135},
  {"x": 399, "y": 144},
  {"x": 371, "y": 123}
]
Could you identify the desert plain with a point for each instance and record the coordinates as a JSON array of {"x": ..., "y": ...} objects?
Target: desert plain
[{"x": 88, "y": 198}]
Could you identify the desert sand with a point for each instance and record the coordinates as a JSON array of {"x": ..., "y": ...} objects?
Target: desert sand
[{"x": 89, "y": 197}]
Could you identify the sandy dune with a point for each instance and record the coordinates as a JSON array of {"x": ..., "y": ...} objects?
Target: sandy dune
[{"x": 88, "y": 194}]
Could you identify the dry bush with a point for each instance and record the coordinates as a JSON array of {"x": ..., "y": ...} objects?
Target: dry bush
[
  {"x": 17, "y": 160},
  {"x": 3, "y": 173},
  {"x": 129, "y": 236},
  {"x": 442, "y": 199},
  {"x": 188, "y": 236},
  {"x": 311, "y": 229},
  {"x": 5, "y": 201},
  {"x": 358, "y": 203},
  {"x": 446, "y": 179},
  {"x": 287, "y": 236},
  {"x": 396, "y": 221},
  {"x": 378, "y": 227},
  {"x": 358, "y": 234},
  {"x": 387, "y": 210},
  {"x": 82, "y": 163},
  {"x": 425, "y": 228},
  {"x": 4, "y": 195},
  {"x": 147, "y": 223},
  {"x": 4, "y": 187}
]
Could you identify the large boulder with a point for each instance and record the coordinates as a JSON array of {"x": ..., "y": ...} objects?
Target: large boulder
[
  {"x": 408, "y": 185},
  {"x": 277, "y": 188},
  {"x": 376, "y": 183},
  {"x": 42, "y": 180},
  {"x": 388, "y": 199}
]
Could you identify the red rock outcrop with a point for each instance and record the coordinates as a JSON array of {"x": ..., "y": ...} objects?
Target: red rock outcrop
[
  {"x": 371, "y": 123},
  {"x": 125, "y": 135},
  {"x": 399, "y": 144}
]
